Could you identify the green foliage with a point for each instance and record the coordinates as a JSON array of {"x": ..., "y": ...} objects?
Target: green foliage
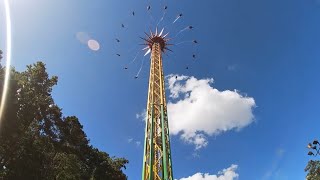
[
  {"x": 66, "y": 166},
  {"x": 38, "y": 143},
  {"x": 1, "y": 54},
  {"x": 0, "y": 57},
  {"x": 313, "y": 169}
]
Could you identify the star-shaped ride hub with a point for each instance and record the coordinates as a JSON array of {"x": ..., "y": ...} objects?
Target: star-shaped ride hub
[{"x": 152, "y": 38}]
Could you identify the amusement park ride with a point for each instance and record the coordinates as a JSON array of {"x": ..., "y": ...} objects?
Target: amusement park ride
[{"x": 157, "y": 161}]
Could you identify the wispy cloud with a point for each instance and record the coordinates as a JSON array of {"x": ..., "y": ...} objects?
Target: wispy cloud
[
  {"x": 138, "y": 143},
  {"x": 232, "y": 67},
  {"x": 133, "y": 141},
  {"x": 195, "y": 154},
  {"x": 280, "y": 152},
  {"x": 142, "y": 115},
  {"x": 130, "y": 140},
  {"x": 274, "y": 172}
]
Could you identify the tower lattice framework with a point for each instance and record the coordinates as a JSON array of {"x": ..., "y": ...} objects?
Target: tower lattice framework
[{"x": 157, "y": 164}]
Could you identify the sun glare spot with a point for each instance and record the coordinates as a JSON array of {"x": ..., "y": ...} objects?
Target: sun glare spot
[
  {"x": 7, "y": 58},
  {"x": 93, "y": 45}
]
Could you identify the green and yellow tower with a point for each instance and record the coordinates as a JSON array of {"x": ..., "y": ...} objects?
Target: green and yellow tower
[{"x": 157, "y": 164}]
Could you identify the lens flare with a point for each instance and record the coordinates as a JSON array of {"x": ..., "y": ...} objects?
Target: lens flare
[
  {"x": 83, "y": 37},
  {"x": 7, "y": 57},
  {"x": 93, "y": 45}
]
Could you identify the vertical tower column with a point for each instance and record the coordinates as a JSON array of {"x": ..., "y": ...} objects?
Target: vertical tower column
[{"x": 157, "y": 163}]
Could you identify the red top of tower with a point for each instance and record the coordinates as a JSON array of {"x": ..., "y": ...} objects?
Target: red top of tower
[{"x": 156, "y": 38}]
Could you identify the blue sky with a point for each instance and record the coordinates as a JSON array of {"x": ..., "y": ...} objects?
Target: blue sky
[{"x": 267, "y": 50}]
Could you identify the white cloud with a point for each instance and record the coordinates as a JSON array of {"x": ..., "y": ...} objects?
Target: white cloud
[
  {"x": 225, "y": 174},
  {"x": 198, "y": 139},
  {"x": 195, "y": 154},
  {"x": 232, "y": 67},
  {"x": 142, "y": 115},
  {"x": 274, "y": 171},
  {"x": 133, "y": 141},
  {"x": 198, "y": 110},
  {"x": 280, "y": 152},
  {"x": 138, "y": 143}
]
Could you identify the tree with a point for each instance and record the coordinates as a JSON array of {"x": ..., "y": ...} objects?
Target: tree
[
  {"x": 1, "y": 55},
  {"x": 37, "y": 142},
  {"x": 105, "y": 167},
  {"x": 313, "y": 167}
]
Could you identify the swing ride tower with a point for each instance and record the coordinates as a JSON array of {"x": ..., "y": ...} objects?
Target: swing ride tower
[{"x": 157, "y": 163}]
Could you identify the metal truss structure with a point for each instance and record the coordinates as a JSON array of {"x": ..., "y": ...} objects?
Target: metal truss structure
[{"x": 157, "y": 164}]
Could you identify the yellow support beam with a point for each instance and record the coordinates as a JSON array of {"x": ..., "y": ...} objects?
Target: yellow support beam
[{"x": 157, "y": 164}]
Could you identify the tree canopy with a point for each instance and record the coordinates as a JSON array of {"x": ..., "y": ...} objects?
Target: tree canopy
[
  {"x": 38, "y": 142},
  {"x": 313, "y": 169}
]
